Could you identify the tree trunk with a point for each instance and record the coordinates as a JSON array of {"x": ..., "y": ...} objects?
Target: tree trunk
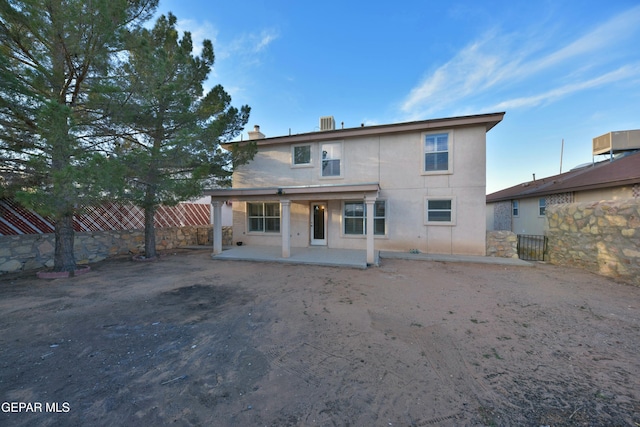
[
  {"x": 64, "y": 259},
  {"x": 149, "y": 232}
]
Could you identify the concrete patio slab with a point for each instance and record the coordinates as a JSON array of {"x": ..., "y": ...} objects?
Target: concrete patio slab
[
  {"x": 455, "y": 258},
  {"x": 312, "y": 256},
  {"x": 346, "y": 257}
]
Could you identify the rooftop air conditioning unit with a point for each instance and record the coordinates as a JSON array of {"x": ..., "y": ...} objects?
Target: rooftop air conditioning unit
[
  {"x": 615, "y": 142},
  {"x": 327, "y": 123}
]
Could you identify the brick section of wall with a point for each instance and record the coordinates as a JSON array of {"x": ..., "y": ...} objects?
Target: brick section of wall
[
  {"x": 603, "y": 237},
  {"x": 559, "y": 198},
  {"x": 502, "y": 244},
  {"x": 35, "y": 251},
  {"x": 15, "y": 219}
]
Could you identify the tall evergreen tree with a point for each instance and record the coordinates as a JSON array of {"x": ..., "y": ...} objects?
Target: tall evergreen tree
[
  {"x": 173, "y": 129},
  {"x": 54, "y": 56}
]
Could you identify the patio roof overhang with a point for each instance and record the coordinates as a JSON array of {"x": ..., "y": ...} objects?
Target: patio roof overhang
[
  {"x": 302, "y": 192},
  {"x": 287, "y": 194}
]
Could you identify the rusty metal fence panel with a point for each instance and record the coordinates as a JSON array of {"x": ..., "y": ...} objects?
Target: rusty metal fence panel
[
  {"x": 532, "y": 247},
  {"x": 16, "y": 219}
]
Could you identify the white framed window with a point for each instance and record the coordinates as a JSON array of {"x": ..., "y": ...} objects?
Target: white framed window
[
  {"x": 542, "y": 206},
  {"x": 355, "y": 218},
  {"x": 515, "y": 208},
  {"x": 437, "y": 156},
  {"x": 440, "y": 210},
  {"x": 331, "y": 155},
  {"x": 263, "y": 217},
  {"x": 301, "y": 155}
]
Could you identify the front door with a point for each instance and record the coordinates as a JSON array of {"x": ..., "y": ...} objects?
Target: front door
[{"x": 318, "y": 224}]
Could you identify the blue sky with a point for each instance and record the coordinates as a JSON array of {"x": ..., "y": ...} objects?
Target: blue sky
[{"x": 559, "y": 69}]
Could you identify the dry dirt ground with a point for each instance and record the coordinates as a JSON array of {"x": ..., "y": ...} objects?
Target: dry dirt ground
[{"x": 188, "y": 341}]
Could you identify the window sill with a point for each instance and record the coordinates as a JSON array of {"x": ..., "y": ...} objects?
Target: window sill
[
  {"x": 263, "y": 233},
  {"x": 363, "y": 236},
  {"x": 430, "y": 173}
]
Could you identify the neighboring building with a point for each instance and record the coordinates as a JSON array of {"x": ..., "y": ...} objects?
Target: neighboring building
[
  {"x": 227, "y": 210},
  {"x": 399, "y": 187},
  {"x": 521, "y": 208}
]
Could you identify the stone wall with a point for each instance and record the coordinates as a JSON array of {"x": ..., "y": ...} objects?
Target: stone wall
[
  {"x": 603, "y": 237},
  {"x": 35, "y": 251},
  {"x": 502, "y": 244}
]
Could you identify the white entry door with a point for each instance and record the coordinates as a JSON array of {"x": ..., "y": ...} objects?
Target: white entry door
[{"x": 318, "y": 224}]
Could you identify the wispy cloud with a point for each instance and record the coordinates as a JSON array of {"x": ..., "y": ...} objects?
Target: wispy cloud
[
  {"x": 244, "y": 45},
  {"x": 200, "y": 31},
  {"x": 498, "y": 61},
  {"x": 265, "y": 38},
  {"x": 252, "y": 43},
  {"x": 553, "y": 94}
]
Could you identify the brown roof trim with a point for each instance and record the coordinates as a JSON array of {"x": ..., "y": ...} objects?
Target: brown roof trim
[
  {"x": 488, "y": 120},
  {"x": 621, "y": 172},
  {"x": 290, "y": 191}
]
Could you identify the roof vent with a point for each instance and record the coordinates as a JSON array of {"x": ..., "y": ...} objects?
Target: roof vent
[{"x": 327, "y": 123}]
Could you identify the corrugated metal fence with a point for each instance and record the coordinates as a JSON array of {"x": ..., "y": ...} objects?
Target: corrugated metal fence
[{"x": 16, "y": 219}]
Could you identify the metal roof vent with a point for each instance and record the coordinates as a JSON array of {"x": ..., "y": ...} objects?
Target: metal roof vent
[{"x": 327, "y": 123}]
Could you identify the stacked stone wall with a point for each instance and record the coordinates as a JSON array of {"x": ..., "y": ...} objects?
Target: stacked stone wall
[
  {"x": 603, "y": 237},
  {"x": 502, "y": 244},
  {"x": 35, "y": 251}
]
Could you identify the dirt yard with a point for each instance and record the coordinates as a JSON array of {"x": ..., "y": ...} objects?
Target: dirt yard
[{"x": 188, "y": 341}]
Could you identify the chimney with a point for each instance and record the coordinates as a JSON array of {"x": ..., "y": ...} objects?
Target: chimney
[{"x": 255, "y": 133}]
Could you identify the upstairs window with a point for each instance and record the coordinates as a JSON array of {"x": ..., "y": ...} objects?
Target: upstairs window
[
  {"x": 515, "y": 205},
  {"x": 331, "y": 157},
  {"x": 436, "y": 152},
  {"x": 301, "y": 155}
]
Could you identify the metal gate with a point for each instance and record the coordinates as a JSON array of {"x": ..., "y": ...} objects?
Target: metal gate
[{"x": 532, "y": 247}]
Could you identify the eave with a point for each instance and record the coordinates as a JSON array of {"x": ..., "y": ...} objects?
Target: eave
[{"x": 488, "y": 120}]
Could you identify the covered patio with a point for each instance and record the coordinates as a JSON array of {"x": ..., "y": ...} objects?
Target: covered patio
[
  {"x": 311, "y": 256},
  {"x": 285, "y": 195}
]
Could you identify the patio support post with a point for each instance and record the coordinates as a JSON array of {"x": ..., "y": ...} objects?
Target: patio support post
[
  {"x": 286, "y": 226},
  {"x": 370, "y": 201},
  {"x": 217, "y": 226}
]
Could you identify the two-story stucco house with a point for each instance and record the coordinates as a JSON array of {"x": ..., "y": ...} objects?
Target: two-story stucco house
[{"x": 398, "y": 187}]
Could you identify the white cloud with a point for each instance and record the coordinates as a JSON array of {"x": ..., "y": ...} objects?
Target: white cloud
[
  {"x": 504, "y": 61},
  {"x": 252, "y": 43},
  {"x": 199, "y": 32},
  {"x": 554, "y": 94},
  {"x": 601, "y": 38},
  {"x": 265, "y": 39}
]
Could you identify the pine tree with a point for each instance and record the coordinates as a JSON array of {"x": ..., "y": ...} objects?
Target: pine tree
[
  {"x": 55, "y": 55},
  {"x": 173, "y": 129}
]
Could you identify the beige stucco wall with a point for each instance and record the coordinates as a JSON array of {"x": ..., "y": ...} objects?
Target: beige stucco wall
[
  {"x": 395, "y": 162},
  {"x": 529, "y": 221},
  {"x": 618, "y": 193}
]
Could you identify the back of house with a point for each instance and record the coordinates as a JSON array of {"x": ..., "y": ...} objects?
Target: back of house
[{"x": 415, "y": 186}]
